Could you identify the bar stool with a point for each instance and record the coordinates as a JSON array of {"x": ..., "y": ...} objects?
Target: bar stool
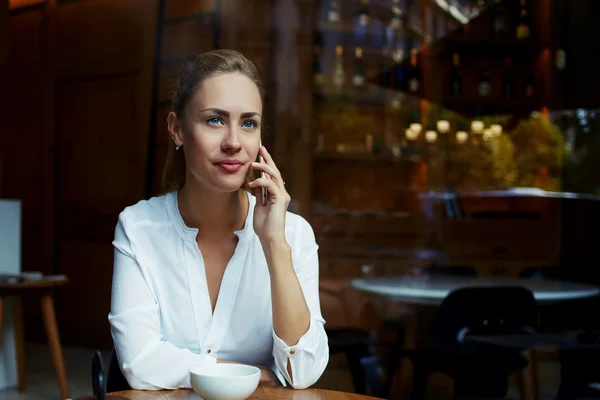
[{"x": 43, "y": 288}]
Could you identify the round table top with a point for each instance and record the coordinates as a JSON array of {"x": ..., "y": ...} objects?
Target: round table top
[
  {"x": 261, "y": 393},
  {"x": 433, "y": 289}
]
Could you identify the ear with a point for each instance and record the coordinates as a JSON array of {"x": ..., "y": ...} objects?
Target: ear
[{"x": 175, "y": 129}]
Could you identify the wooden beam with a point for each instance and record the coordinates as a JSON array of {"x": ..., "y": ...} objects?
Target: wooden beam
[{"x": 3, "y": 32}]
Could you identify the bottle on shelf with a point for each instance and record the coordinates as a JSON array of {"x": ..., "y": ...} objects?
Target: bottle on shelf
[
  {"x": 396, "y": 15},
  {"x": 456, "y": 80},
  {"x": 529, "y": 84},
  {"x": 414, "y": 82},
  {"x": 399, "y": 72},
  {"x": 361, "y": 22},
  {"x": 378, "y": 33},
  {"x": 318, "y": 77},
  {"x": 358, "y": 76},
  {"x": 338, "y": 70},
  {"x": 523, "y": 28},
  {"x": 499, "y": 23},
  {"x": 333, "y": 11},
  {"x": 385, "y": 71},
  {"x": 508, "y": 80},
  {"x": 484, "y": 83}
]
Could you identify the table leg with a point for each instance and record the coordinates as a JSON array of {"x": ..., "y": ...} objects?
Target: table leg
[
  {"x": 528, "y": 378},
  {"x": 403, "y": 379},
  {"x": 54, "y": 342},
  {"x": 18, "y": 321}
]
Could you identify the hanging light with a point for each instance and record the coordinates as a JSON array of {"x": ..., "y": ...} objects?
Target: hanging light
[
  {"x": 461, "y": 136},
  {"x": 443, "y": 126},
  {"x": 496, "y": 129},
  {"x": 477, "y": 126},
  {"x": 416, "y": 127},
  {"x": 430, "y": 136},
  {"x": 411, "y": 135}
]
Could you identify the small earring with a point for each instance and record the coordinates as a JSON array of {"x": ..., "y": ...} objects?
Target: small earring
[{"x": 176, "y": 147}]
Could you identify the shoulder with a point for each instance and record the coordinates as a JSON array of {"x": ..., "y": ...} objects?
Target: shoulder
[{"x": 145, "y": 212}]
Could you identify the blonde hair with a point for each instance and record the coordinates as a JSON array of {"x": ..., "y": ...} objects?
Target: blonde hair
[{"x": 204, "y": 66}]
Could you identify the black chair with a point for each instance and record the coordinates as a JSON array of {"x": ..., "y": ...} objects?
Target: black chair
[
  {"x": 479, "y": 371},
  {"x": 116, "y": 381},
  {"x": 396, "y": 324},
  {"x": 358, "y": 345},
  {"x": 98, "y": 387}
]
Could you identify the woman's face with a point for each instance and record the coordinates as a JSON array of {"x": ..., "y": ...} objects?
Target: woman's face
[{"x": 221, "y": 131}]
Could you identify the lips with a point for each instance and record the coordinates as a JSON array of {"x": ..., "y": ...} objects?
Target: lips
[{"x": 230, "y": 165}]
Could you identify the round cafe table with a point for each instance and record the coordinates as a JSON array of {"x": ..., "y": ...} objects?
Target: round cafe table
[
  {"x": 261, "y": 393},
  {"x": 433, "y": 289}
]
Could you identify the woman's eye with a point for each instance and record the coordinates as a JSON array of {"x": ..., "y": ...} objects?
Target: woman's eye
[
  {"x": 249, "y": 124},
  {"x": 214, "y": 121}
]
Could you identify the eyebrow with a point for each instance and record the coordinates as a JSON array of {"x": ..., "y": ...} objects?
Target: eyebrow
[{"x": 224, "y": 113}]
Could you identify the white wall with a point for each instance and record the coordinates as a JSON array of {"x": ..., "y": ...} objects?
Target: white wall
[{"x": 10, "y": 262}]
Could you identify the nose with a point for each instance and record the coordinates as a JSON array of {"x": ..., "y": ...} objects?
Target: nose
[{"x": 231, "y": 142}]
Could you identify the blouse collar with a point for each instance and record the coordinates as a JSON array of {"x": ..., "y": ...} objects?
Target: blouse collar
[{"x": 189, "y": 234}]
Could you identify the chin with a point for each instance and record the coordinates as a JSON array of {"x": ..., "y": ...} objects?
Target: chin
[{"x": 229, "y": 185}]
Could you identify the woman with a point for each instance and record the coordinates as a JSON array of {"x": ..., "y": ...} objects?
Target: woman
[{"x": 206, "y": 273}]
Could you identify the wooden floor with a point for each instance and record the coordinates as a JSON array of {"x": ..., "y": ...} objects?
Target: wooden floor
[{"x": 42, "y": 385}]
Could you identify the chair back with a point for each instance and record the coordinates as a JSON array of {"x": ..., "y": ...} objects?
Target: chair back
[
  {"x": 98, "y": 388},
  {"x": 484, "y": 310},
  {"x": 116, "y": 381}
]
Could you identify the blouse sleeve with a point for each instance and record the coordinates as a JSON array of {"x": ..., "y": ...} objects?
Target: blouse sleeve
[
  {"x": 309, "y": 357},
  {"x": 135, "y": 326}
]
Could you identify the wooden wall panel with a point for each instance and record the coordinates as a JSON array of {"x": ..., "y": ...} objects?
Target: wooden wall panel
[
  {"x": 100, "y": 37},
  {"x": 99, "y": 175},
  {"x": 27, "y": 55},
  {"x": 162, "y": 131},
  {"x": 187, "y": 38},
  {"x": 3, "y": 32},
  {"x": 108, "y": 147},
  {"x": 168, "y": 80},
  {"x": 17, "y": 4},
  {"x": 84, "y": 305},
  {"x": 80, "y": 72},
  {"x": 183, "y": 8}
]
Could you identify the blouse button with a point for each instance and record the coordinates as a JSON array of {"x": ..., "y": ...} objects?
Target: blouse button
[
  {"x": 208, "y": 351},
  {"x": 292, "y": 352}
]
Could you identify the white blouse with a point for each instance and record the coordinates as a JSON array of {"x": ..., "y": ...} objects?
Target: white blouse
[{"x": 161, "y": 317}]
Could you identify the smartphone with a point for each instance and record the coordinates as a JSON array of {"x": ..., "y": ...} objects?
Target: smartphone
[{"x": 264, "y": 191}]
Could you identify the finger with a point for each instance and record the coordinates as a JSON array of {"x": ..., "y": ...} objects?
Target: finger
[
  {"x": 269, "y": 184},
  {"x": 269, "y": 170},
  {"x": 267, "y": 157}
]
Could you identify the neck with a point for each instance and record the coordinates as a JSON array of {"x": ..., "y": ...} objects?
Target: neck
[{"x": 214, "y": 214}]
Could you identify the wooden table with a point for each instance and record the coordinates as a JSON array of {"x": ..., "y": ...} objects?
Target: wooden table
[
  {"x": 43, "y": 288},
  {"x": 261, "y": 393}
]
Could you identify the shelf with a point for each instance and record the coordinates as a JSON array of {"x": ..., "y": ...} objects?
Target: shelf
[
  {"x": 491, "y": 106},
  {"x": 497, "y": 48},
  {"x": 192, "y": 17},
  {"x": 350, "y": 95},
  {"x": 366, "y": 157},
  {"x": 347, "y": 27}
]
